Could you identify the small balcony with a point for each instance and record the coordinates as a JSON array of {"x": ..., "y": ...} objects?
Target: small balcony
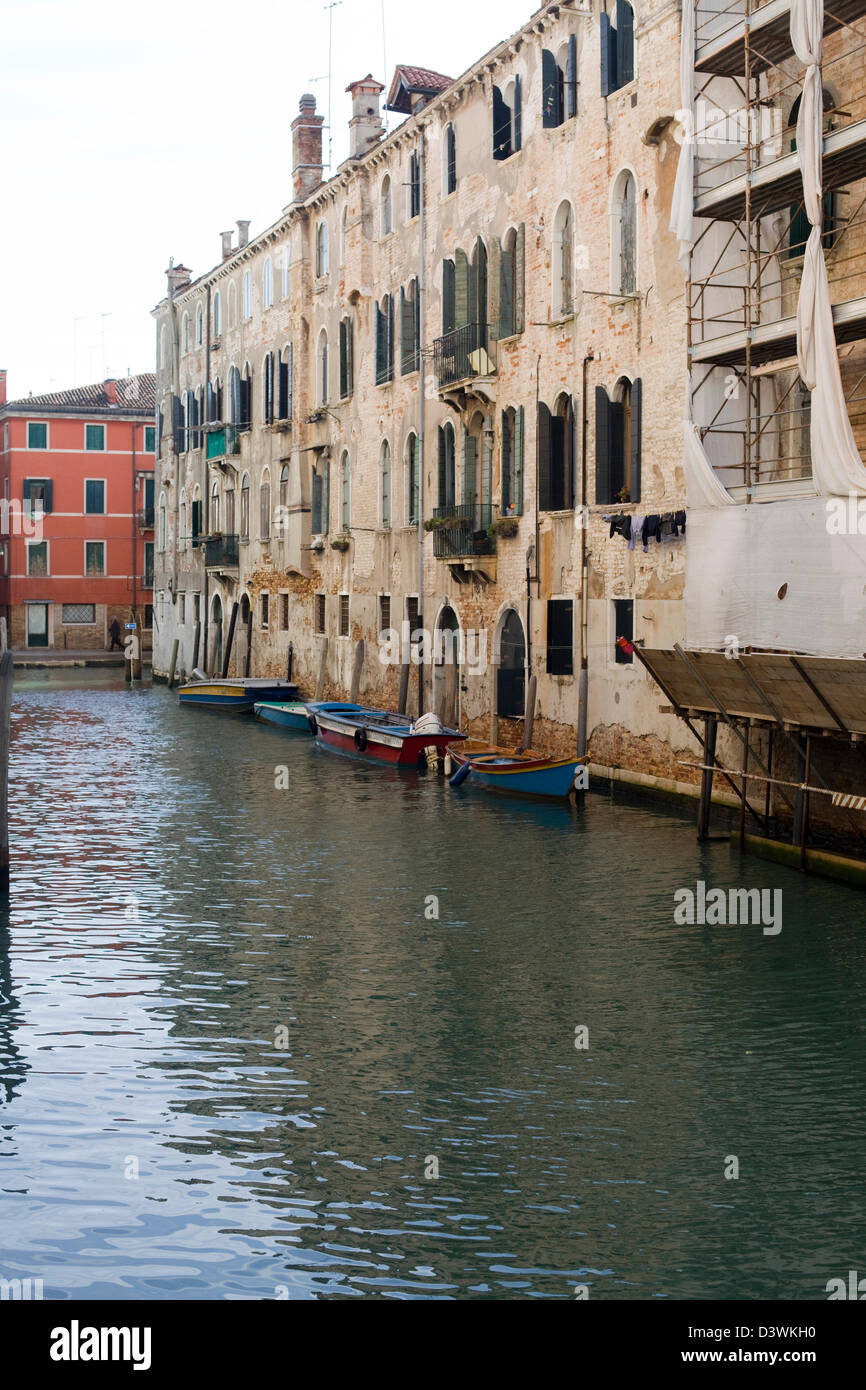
[
  {"x": 463, "y": 356},
  {"x": 223, "y": 442},
  {"x": 145, "y": 518},
  {"x": 221, "y": 552}
]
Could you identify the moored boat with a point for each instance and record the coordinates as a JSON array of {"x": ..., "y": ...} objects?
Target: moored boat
[
  {"x": 235, "y": 694},
  {"x": 298, "y": 716},
  {"x": 383, "y": 735},
  {"x": 503, "y": 770}
]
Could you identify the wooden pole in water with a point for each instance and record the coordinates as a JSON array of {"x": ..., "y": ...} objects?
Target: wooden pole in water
[
  {"x": 175, "y": 647},
  {"x": 711, "y": 727},
  {"x": 291, "y": 661},
  {"x": 529, "y": 712},
  {"x": 323, "y": 670},
  {"x": 745, "y": 787},
  {"x": 404, "y": 688},
  {"x": 249, "y": 660},
  {"x": 228, "y": 655},
  {"x": 5, "y": 707},
  {"x": 196, "y": 643},
  {"x": 493, "y": 700},
  {"x": 356, "y": 672},
  {"x": 450, "y": 711},
  {"x": 137, "y": 659}
]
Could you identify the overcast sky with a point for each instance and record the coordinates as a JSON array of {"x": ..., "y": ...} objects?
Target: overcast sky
[{"x": 136, "y": 133}]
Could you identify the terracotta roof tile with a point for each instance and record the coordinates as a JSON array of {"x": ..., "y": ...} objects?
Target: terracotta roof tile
[{"x": 134, "y": 393}]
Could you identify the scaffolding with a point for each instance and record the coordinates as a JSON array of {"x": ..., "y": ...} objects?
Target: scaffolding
[{"x": 751, "y": 408}]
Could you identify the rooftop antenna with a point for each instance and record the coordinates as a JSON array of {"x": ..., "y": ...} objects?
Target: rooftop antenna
[
  {"x": 330, "y": 8},
  {"x": 385, "y": 65},
  {"x": 104, "y": 317}
]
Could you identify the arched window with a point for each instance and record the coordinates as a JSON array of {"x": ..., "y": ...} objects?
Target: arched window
[
  {"x": 345, "y": 493},
  {"x": 386, "y": 221},
  {"x": 268, "y": 389},
  {"x": 511, "y": 284},
  {"x": 215, "y": 507},
  {"x": 511, "y": 470},
  {"x": 185, "y": 334},
  {"x": 511, "y": 671},
  {"x": 248, "y": 295},
  {"x": 385, "y": 341},
  {"x": 268, "y": 283},
  {"x": 478, "y": 289},
  {"x": 618, "y": 442},
  {"x": 322, "y": 249},
  {"x": 199, "y": 326},
  {"x": 623, "y": 235},
  {"x": 233, "y": 305},
  {"x": 162, "y": 533},
  {"x": 413, "y": 480},
  {"x": 563, "y": 261},
  {"x": 449, "y": 161},
  {"x": 217, "y": 314},
  {"x": 508, "y": 119},
  {"x": 323, "y": 368},
  {"x": 287, "y": 270},
  {"x": 245, "y": 507},
  {"x": 617, "y": 48},
  {"x": 265, "y": 506},
  {"x": 385, "y": 485},
  {"x": 284, "y": 384},
  {"x": 284, "y": 485},
  {"x": 446, "y": 479}
]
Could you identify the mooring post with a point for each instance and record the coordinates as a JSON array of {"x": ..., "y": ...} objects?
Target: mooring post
[
  {"x": 745, "y": 786},
  {"x": 403, "y": 700},
  {"x": 711, "y": 727},
  {"x": 450, "y": 716},
  {"x": 357, "y": 668},
  {"x": 196, "y": 642},
  {"x": 5, "y": 707},
  {"x": 529, "y": 712},
  {"x": 323, "y": 669},
  {"x": 175, "y": 647},
  {"x": 493, "y": 695},
  {"x": 249, "y": 660},
  {"x": 291, "y": 661},
  {"x": 228, "y": 656}
]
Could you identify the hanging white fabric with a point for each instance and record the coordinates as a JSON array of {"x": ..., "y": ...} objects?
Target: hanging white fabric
[
  {"x": 682, "y": 206},
  {"x": 703, "y": 488},
  {"x": 837, "y": 468}
]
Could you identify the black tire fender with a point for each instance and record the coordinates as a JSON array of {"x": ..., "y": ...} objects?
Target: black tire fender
[
  {"x": 360, "y": 739},
  {"x": 314, "y": 728}
]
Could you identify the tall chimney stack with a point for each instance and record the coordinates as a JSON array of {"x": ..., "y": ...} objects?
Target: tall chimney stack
[
  {"x": 177, "y": 277},
  {"x": 243, "y": 233},
  {"x": 307, "y": 167},
  {"x": 365, "y": 127},
  {"x": 226, "y": 238}
]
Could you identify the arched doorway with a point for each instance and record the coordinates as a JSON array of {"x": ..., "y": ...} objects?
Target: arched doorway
[
  {"x": 511, "y": 675},
  {"x": 217, "y": 621},
  {"x": 446, "y": 667}
]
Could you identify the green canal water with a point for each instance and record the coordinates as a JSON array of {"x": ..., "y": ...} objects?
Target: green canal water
[{"x": 237, "y": 1043}]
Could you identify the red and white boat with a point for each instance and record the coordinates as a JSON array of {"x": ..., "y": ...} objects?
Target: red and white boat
[{"x": 384, "y": 736}]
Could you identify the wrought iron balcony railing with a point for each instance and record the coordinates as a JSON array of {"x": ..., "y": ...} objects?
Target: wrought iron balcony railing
[
  {"x": 461, "y": 531},
  {"x": 221, "y": 550},
  {"x": 462, "y": 355}
]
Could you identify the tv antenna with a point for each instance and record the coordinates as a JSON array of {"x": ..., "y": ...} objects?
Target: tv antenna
[{"x": 334, "y": 4}]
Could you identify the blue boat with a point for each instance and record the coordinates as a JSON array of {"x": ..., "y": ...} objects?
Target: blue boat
[
  {"x": 502, "y": 770},
  {"x": 235, "y": 695},
  {"x": 296, "y": 715}
]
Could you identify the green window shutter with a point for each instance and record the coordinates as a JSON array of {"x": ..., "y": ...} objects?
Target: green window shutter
[
  {"x": 442, "y": 467},
  {"x": 602, "y": 446},
  {"x": 344, "y": 361},
  {"x": 569, "y": 454},
  {"x": 608, "y": 77},
  {"x": 461, "y": 289},
  {"x": 416, "y": 485},
  {"x": 519, "y": 432},
  {"x": 316, "y": 511},
  {"x": 506, "y": 294},
  {"x": 326, "y": 498},
  {"x": 494, "y": 304},
  {"x": 543, "y": 446},
  {"x": 501, "y": 126},
  {"x": 407, "y": 333},
  {"x": 520, "y": 278},
  {"x": 448, "y": 297},
  {"x": 571, "y": 78},
  {"x": 507, "y": 462},
  {"x": 196, "y": 520},
  {"x": 94, "y": 497},
  {"x": 291, "y": 365},
  {"x": 518, "y": 114},
  {"x": 470, "y": 464},
  {"x": 550, "y": 91},
  {"x": 48, "y": 497},
  {"x": 634, "y": 461},
  {"x": 380, "y": 346},
  {"x": 624, "y": 42}
]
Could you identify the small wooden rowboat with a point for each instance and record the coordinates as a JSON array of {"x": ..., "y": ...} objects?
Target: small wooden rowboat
[
  {"x": 297, "y": 716},
  {"x": 238, "y": 695},
  {"x": 385, "y": 736},
  {"x": 503, "y": 770}
]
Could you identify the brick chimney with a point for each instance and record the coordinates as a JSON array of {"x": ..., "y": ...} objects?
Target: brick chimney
[
  {"x": 3, "y": 387},
  {"x": 226, "y": 238},
  {"x": 110, "y": 389},
  {"x": 306, "y": 149},
  {"x": 365, "y": 127},
  {"x": 243, "y": 232},
  {"x": 177, "y": 278}
]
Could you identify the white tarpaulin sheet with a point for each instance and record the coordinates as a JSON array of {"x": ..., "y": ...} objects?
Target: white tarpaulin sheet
[{"x": 739, "y": 560}]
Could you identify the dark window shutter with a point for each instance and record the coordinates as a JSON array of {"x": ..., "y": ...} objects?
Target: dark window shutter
[
  {"x": 507, "y": 464},
  {"x": 518, "y": 114},
  {"x": 48, "y": 497},
  {"x": 442, "y": 465},
  {"x": 470, "y": 467},
  {"x": 507, "y": 321},
  {"x": 449, "y": 310},
  {"x": 571, "y": 78},
  {"x": 269, "y": 389},
  {"x": 461, "y": 290},
  {"x": 282, "y": 390},
  {"x": 316, "y": 518},
  {"x": 390, "y": 337},
  {"x": 608, "y": 78},
  {"x": 550, "y": 90},
  {"x": 624, "y": 42},
  {"x": 501, "y": 126},
  {"x": 235, "y": 393},
  {"x": 291, "y": 380},
  {"x": 634, "y": 461},
  {"x": 602, "y": 446},
  {"x": 326, "y": 497},
  {"x": 196, "y": 520},
  {"x": 452, "y": 159},
  {"x": 380, "y": 345},
  {"x": 210, "y": 403},
  {"x": 25, "y": 489},
  {"x": 569, "y": 454},
  {"x": 179, "y": 432},
  {"x": 543, "y": 455},
  {"x": 493, "y": 309},
  {"x": 344, "y": 378},
  {"x": 519, "y": 436}
]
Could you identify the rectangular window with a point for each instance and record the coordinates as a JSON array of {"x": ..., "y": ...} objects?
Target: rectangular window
[
  {"x": 94, "y": 496},
  {"x": 78, "y": 614},
  {"x": 37, "y": 435},
  {"x": 284, "y": 612},
  {"x": 150, "y": 439},
  {"x": 623, "y": 609},
  {"x": 148, "y": 564},
  {"x": 344, "y": 615},
  {"x": 412, "y": 617},
  {"x": 384, "y": 613},
  {"x": 320, "y": 613},
  {"x": 181, "y": 609},
  {"x": 560, "y": 637},
  {"x": 94, "y": 557},
  {"x": 266, "y": 610},
  {"x": 94, "y": 437},
  {"x": 196, "y": 608},
  {"x": 148, "y": 616},
  {"x": 36, "y": 494},
  {"x": 37, "y": 558}
]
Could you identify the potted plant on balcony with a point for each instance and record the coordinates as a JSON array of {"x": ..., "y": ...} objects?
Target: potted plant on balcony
[
  {"x": 341, "y": 542},
  {"x": 505, "y": 527}
]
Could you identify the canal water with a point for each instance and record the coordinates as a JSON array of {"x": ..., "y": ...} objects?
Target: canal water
[{"x": 238, "y": 1044}]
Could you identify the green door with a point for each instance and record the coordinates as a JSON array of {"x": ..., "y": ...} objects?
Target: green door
[{"x": 37, "y": 624}]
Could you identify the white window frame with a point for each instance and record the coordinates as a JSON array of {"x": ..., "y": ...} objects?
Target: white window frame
[
  {"x": 217, "y": 312},
  {"x": 268, "y": 283},
  {"x": 104, "y": 573},
  {"x": 65, "y": 623},
  {"x": 104, "y": 511},
  {"x": 47, "y": 545},
  {"x": 34, "y": 447},
  {"x": 95, "y": 425}
]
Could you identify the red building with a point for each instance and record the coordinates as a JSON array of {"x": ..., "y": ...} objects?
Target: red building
[{"x": 76, "y": 525}]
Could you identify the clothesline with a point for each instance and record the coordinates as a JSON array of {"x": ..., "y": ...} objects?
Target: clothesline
[{"x": 661, "y": 526}]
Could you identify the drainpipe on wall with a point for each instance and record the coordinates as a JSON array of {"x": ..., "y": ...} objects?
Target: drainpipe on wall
[
  {"x": 175, "y": 391},
  {"x": 205, "y": 494},
  {"x": 134, "y": 537},
  {"x": 583, "y": 684},
  {"x": 422, "y": 154}
]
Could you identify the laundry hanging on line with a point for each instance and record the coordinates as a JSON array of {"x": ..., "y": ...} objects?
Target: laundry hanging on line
[{"x": 661, "y": 526}]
